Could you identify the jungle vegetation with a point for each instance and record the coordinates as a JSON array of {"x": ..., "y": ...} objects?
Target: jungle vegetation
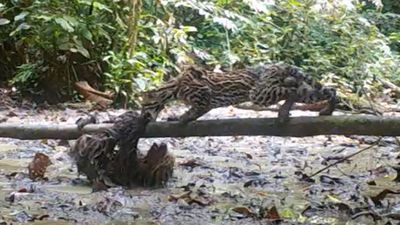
[{"x": 129, "y": 46}]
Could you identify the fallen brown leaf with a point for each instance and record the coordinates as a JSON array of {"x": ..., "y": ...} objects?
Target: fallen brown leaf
[
  {"x": 37, "y": 168},
  {"x": 91, "y": 94},
  {"x": 189, "y": 197},
  {"x": 272, "y": 214},
  {"x": 183, "y": 195},
  {"x": 249, "y": 156},
  {"x": 379, "y": 197},
  {"x": 244, "y": 211},
  {"x": 199, "y": 200},
  {"x": 190, "y": 163}
]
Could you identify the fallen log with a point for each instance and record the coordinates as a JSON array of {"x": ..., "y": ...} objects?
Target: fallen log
[{"x": 296, "y": 127}]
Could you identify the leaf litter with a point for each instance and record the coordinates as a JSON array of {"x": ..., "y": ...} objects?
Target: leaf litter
[{"x": 217, "y": 180}]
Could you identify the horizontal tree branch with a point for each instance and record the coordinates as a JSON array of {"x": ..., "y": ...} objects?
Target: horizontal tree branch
[{"x": 296, "y": 127}]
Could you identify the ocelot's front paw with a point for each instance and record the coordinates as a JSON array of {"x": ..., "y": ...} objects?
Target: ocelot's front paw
[
  {"x": 327, "y": 111},
  {"x": 324, "y": 112},
  {"x": 283, "y": 116},
  {"x": 90, "y": 119}
]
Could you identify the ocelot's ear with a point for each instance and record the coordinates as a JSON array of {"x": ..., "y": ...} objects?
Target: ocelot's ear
[{"x": 197, "y": 73}]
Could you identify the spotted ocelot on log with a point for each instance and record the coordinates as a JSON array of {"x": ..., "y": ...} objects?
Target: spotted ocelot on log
[{"x": 263, "y": 85}]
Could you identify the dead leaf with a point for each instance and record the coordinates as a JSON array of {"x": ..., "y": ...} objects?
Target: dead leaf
[
  {"x": 202, "y": 201},
  {"x": 272, "y": 214},
  {"x": 183, "y": 195},
  {"x": 333, "y": 199},
  {"x": 244, "y": 211},
  {"x": 374, "y": 215},
  {"x": 255, "y": 182},
  {"x": 263, "y": 194},
  {"x": 189, "y": 197},
  {"x": 11, "y": 175},
  {"x": 344, "y": 208},
  {"x": 192, "y": 163},
  {"x": 91, "y": 94},
  {"x": 394, "y": 216},
  {"x": 249, "y": 156},
  {"x": 304, "y": 177},
  {"x": 379, "y": 197},
  {"x": 23, "y": 190},
  {"x": 397, "y": 178},
  {"x": 37, "y": 168},
  {"x": 10, "y": 198},
  {"x": 330, "y": 180}
]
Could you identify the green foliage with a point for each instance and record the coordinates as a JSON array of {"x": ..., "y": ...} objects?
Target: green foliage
[
  {"x": 388, "y": 22},
  {"x": 27, "y": 76},
  {"x": 333, "y": 42},
  {"x": 64, "y": 41},
  {"x": 54, "y": 40},
  {"x": 119, "y": 77}
]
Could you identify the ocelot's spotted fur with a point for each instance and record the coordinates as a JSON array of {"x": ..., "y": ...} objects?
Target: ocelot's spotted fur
[
  {"x": 264, "y": 85},
  {"x": 112, "y": 158}
]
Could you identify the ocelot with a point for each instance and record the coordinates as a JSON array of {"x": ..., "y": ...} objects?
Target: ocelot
[
  {"x": 262, "y": 85},
  {"x": 112, "y": 158}
]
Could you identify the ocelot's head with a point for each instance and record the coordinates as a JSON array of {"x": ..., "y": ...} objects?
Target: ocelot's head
[{"x": 154, "y": 101}]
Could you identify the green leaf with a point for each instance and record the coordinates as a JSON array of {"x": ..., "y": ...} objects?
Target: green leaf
[
  {"x": 294, "y": 2},
  {"x": 84, "y": 51},
  {"x": 43, "y": 17},
  {"x": 22, "y": 26},
  {"x": 64, "y": 24},
  {"x": 87, "y": 34},
  {"x": 4, "y": 21},
  {"x": 189, "y": 29},
  {"x": 71, "y": 20},
  {"x": 65, "y": 46},
  {"x": 141, "y": 83},
  {"x": 287, "y": 213},
  {"x": 100, "y": 6},
  {"x": 226, "y": 23},
  {"x": 81, "y": 49},
  {"x": 21, "y": 16}
]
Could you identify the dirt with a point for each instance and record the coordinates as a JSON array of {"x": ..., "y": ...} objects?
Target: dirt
[{"x": 217, "y": 180}]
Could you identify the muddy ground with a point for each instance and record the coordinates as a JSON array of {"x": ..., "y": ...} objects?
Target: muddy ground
[{"x": 217, "y": 180}]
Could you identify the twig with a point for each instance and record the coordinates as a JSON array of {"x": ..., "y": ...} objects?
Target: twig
[{"x": 346, "y": 158}]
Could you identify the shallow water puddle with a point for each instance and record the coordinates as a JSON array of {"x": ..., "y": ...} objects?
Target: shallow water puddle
[
  {"x": 4, "y": 147},
  {"x": 13, "y": 165}
]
